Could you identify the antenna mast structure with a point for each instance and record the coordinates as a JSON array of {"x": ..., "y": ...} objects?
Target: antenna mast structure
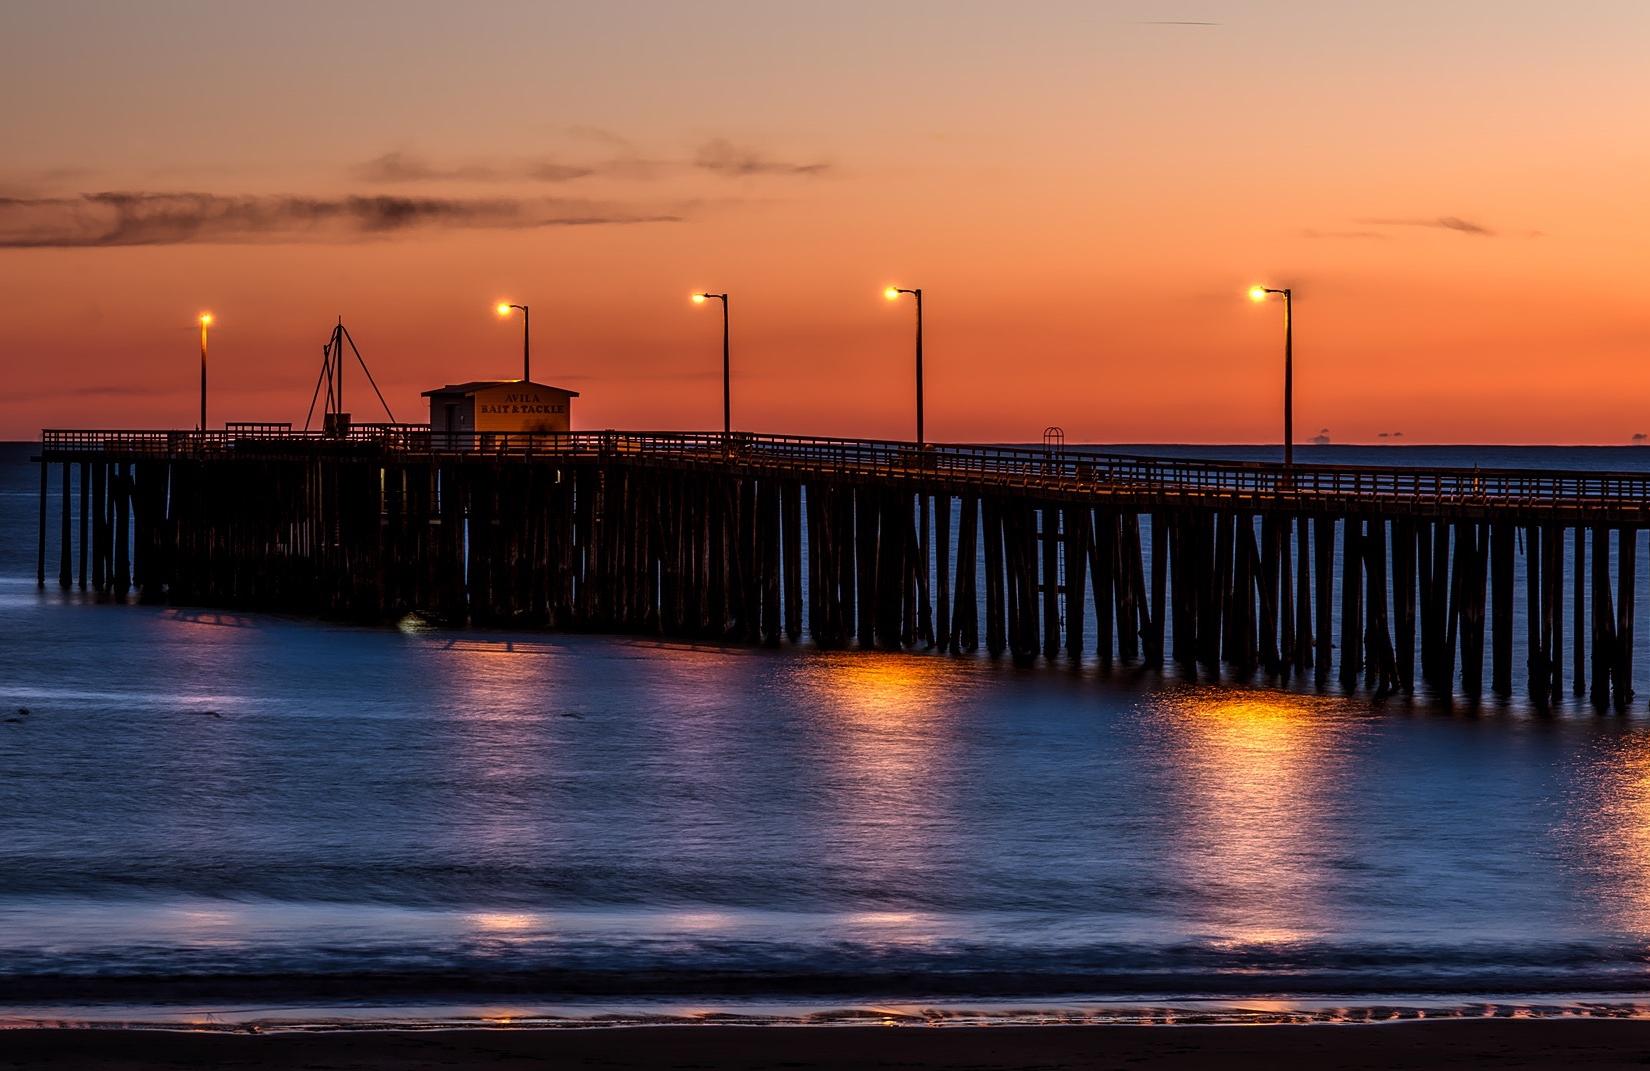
[{"x": 335, "y": 419}]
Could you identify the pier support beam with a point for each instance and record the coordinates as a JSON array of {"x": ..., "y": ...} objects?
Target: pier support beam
[
  {"x": 1502, "y": 538},
  {"x": 965, "y": 622},
  {"x": 1323, "y": 536},
  {"x": 1627, "y": 538},
  {"x": 1604, "y": 620}
]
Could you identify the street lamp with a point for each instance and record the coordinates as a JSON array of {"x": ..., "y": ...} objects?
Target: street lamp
[
  {"x": 526, "y": 364},
  {"x": 1261, "y": 293},
  {"x": 206, "y": 321},
  {"x": 892, "y": 293},
  {"x": 727, "y": 408}
]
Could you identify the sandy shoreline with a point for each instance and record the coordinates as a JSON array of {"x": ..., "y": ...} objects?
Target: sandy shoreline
[{"x": 1602, "y": 1044}]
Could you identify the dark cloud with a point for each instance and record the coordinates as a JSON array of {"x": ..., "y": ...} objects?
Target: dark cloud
[
  {"x": 397, "y": 167},
  {"x": 1446, "y": 223},
  {"x": 722, "y": 157},
  {"x": 550, "y": 171},
  {"x": 126, "y": 219},
  {"x": 405, "y": 167},
  {"x": 621, "y": 161}
]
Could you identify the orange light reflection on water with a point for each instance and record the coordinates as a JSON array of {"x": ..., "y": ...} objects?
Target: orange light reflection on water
[
  {"x": 886, "y": 740},
  {"x": 503, "y": 742},
  {"x": 1615, "y": 820},
  {"x": 889, "y": 692},
  {"x": 504, "y": 922},
  {"x": 1258, "y": 774}
]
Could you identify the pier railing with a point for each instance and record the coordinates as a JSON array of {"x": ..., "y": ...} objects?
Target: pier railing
[{"x": 1057, "y": 471}]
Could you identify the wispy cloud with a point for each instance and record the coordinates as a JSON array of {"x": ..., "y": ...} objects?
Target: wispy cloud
[
  {"x": 399, "y": 167},
  {"x": 131, "y": 219},
  {"x": 718, "y": 156},
  {"x": 103, "y": 390},
  {"x": 1446, "y": 223},
  {"x": 722, "y": 157}
]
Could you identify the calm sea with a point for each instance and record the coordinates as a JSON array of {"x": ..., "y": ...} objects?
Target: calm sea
[{"x": 217, "y": 814}]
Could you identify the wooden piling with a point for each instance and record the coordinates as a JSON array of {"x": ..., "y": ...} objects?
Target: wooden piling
[
  {"x": 1382, "y": 665},
  {"x": 1604, "y": 619},
  {"x": 1473, "y": 540},
  {"x": 1136, "y": 568},
  {"x": 1180, "y": 601},
  {"x": 1351, "y": 601},
  {"x": 1502, "y": 536},
  {"x": 1075, "y": 553},
  {"x": 865, "y": 547},
  {"x": 1153, "y": 640},
  {"x": 1282, "y": 532},
  {"x": 1242, "y": 597},
  {"x": 768, "y": 537},
  {"x": 1552, "y": 607},
  {"x": 1323, "y": 536},
  {"x": 122, "y": 529},
  {"x": 1427, "y": 596},
  {"x": 85, "y": 501},
  {"x": 965, "y": 621},
  {"x": 1270, "y": 583},
  {"x": 1051, "y": 539},
  {"x": 1538, "y": 629},
  {"x": 1129, "y": 586},
  {"x": 1226, "y": 650},
  {"x": 1579, "y": 623},
  {"x": 65, "y": 551},
  {"x": 1403, "y": 598},
  {"x": 1102, "y": 562},
  {"x": 790, "y": 511},
  {"x": 1303, "y": 596},
  {"x": 924, "y": 631},
  {"x": 1627, "y": 538},
  {"x": 100, "y": 525},
  {"x": 992, "y": 520},
  {"x": 1020, "y": 543},
  {"x": 892, "y": 525},
  {"x": 942, "y": 573}
]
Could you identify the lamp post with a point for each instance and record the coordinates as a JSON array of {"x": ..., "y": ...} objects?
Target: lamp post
[
  {"x": 526, "y": 334},
  {"x": 892, "y": 293},
  {"x": 727, "y": 406},
  {"x": 206, "y": 321},
  {"x": 1261, "y": 293}
]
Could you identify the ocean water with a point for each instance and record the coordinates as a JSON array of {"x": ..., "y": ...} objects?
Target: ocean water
[{"x": 211, "y": 813}]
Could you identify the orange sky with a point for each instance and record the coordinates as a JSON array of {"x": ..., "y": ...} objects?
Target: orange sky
[{"x": 1083, "y": 190}]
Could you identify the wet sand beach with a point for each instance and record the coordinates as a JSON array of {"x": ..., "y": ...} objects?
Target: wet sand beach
[{"x": 1597, "y": 1044}]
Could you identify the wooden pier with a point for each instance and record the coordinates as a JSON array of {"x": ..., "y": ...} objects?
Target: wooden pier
[{"x": 1390, "y": 579}]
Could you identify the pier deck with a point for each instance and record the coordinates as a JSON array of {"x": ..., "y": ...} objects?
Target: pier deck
[{"x": 1219, "y": 565}]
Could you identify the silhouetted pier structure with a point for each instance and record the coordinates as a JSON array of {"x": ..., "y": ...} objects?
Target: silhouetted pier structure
[{"x": 1381, "y": 577}]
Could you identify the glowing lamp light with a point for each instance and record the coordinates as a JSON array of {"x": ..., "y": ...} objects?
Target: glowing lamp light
[
  {"x": 206, "y": 319},
  {"x": 698, "y": 299},
  {"x": 1257, "y": 293},
  {"x": 503, "y": 309},
  {"x": 891, "y": 293}
]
